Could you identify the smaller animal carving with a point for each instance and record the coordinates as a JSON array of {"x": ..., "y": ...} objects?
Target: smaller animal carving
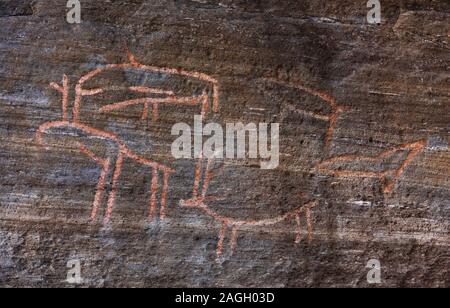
[
  {"x": 113, "y": 161},
  {"x": 199, "y": 201},
  {"x": 334, "y": 166}
]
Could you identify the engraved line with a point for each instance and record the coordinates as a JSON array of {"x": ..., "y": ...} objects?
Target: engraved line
[
  {"x": 154, "y": 190},
  {"x": 309, "y": 223},
  {"x": 198, "y": 203},
  {"x": 135, "y": 64},
  {"x": 155, "y": 112},
  {"x": 105, "y": 163},
  {"x": 189, "y": 101},
  {"x": 198, "y": 175},
  {"x": 208, "y": 177},
  {"x": 100, "y": 134},
  {"x": 148, "y": 90},
  {"x": 113, "y": 194},
  {"x": 416, "y": 148},
  {"x": 233, "y": 240},
  {"x": 145, "y": 112},
  {"x": 336, "y": 109},
  {"x": 164, "y": 195},
  {"x": 100, "y": 188}
]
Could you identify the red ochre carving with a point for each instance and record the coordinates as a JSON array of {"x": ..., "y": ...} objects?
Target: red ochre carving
[
  {"x": 106, "y": 164},
  {"x": 336, "y": 109},
  {"x": 413, "y": 150},
  {"x": 326, "y": 167},
  {"x": 199, "y": 201},
  {"x": 171, "y": 99},
  {"x": 114, "y": 162}
]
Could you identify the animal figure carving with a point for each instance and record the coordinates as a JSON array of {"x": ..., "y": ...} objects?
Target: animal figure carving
[
  {"x": 335, "y": 108},
  {"x": 200, "y": 199},
  {"x": 113, "y": 162},
  {"x": 333, "y": 166},
  {"x": 168, "y": 96},
  {"x": 413, "y": 150}
]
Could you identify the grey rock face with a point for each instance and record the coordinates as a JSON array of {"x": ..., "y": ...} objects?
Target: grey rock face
[{"x": 364, "y": 168}]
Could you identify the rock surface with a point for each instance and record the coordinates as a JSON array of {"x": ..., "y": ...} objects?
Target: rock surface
[{"x": 275, "y": 61}]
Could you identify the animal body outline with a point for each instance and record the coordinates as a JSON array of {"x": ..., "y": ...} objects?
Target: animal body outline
[
  {"x": 413, "y": 148},
  {"x": 123, "y": 151},
  {"x": 199, "y": 198}
]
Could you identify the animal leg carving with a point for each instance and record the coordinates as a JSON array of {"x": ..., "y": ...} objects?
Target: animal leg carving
[
  {"x": 164, "y": 195},
  {"x": 154, "y": 192},
  {"x": 113, "y": 194},
  {"x": 415, "y": 149}
]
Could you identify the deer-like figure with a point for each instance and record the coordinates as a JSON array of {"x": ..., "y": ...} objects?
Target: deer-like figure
[
  {"x": 200, "y": 198},
  {"x": 336, "y": 165},
  {"x": 114, "y": 162}
]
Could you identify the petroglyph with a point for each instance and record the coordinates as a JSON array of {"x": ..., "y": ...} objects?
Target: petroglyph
[
  {"x": 413, "y": 150},
  {"x": 113, "y": 163},
  {"x": 336, "y": 108},
  {"x": 169, "y": 99},
  {"x": 201, "y": 197},
  {"x": 105, "y": 162},
  {"x": 329, "y": 166}
]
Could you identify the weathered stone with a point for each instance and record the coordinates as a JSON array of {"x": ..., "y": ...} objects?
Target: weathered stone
[{"x": 343, "y": 91}]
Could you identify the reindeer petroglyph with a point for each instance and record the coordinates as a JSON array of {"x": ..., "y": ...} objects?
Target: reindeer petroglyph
[
  {"x": 413, "y": 150},
  {"x": 169, "y": 99},
  {"x": 114, "y": 162},
  {"x": 200, "y": 198},
  {"x": 105, "y": 163},
  {"x": 332, "y": 165}
]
